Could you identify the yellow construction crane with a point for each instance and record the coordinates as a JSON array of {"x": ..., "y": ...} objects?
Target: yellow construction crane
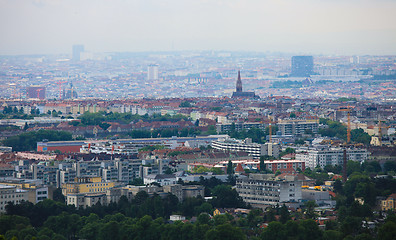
[{"x": 348, "y": 110}]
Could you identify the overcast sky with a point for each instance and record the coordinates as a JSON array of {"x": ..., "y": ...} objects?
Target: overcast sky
[{"x": 300, "y": 26}]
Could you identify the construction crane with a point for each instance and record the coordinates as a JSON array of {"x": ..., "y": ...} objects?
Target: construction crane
[
  {"x": 344, "y": 172},
  {"x": 348, "y": 110},
  {"x": 38, "y": 92},
  {"x": 60, "y": 88}
]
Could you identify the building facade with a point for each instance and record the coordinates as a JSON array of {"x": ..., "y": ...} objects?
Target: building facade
[
  {"x": 331, "y": 156},
  {"x": 302, "y": 66},
  {"x": 152, "y": 72},
  {"x": 254, "y": 149},
  {"x": 266, "y": 189},
  {"x": 285, "y": 166},
  {"x": 11, "y": 194},
  {"x": 298, "y": 126}
]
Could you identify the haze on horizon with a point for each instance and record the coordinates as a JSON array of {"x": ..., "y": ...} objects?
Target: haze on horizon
[{"x": 344, "y": 27}]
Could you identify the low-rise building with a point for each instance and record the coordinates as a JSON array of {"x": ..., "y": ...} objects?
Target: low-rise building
[
  {"x": 35, "y": 190},
  {"x": 85, "y": 200},
  {"x": 284, "y": 166},
  {"x": 161, "y": 179},
  {"x": 322, "y": 198},
  {"x": 389, "y": 203}
]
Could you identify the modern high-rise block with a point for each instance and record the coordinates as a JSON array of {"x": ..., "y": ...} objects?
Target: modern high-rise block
[
  {"x": 302, "y": 66},
  {"x": 36, "y": 91},
  {"x": 152, "y": 72},
  {"x": 77, "y": 50}
]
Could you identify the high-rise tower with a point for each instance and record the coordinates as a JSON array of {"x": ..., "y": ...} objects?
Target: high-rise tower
[
  {"x": 36, "y": 91},
  {"x": 77, "y": 50},
  {"x": 302, "y": 66},
  {"x": 152, "y": 72}
]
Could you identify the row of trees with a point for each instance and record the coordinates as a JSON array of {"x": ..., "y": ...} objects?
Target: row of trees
[
  {"x": 68, "y": 223},
  {"x": 96, "y": 118},
  {"x": 15, "y": 113},
  {"x": 54, "y": 220},
  {"x": 28, "y": 141},
  {"x": 257, "y": 135}
]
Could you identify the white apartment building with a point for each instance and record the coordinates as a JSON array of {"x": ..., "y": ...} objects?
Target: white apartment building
[
  {"x": 331, "y": 156},
  {"x": 11, "y": 194},
  {"x": 162, "y": 179},
  {"x": 266, "y": 189},
  {"x": 254, "y": 149}
]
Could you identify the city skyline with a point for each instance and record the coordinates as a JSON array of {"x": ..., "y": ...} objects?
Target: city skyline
[{"x": 304, "y": 27}]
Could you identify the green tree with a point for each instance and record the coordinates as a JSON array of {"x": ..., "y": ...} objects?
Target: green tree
[
  {"x": 28, "y": 141},
  {"x": 203, "y": 218},
  {"x": 310, "y": 230},
  {"x": 230, "y": 168},
  {"x": 351, "y": 225},
  {"x": 58, "y": 196},
  {"x": 390, "y": 166},
  {"x": 185, "y": 104},
  {"x": 310, "y": 209},
  {"x": 225, "y": 197},
  {"x": 387, "y": 231},
  {"x": 262, "y": 165},
  {"x": 353, "y": 166},
  {"x": 54, "y": 113},
  {"x": 225, "y": 231},
  {"x": 372, "y": 167},
  {"x": 274, "y": 231},
  {"x": 110, "y": 230},
  {"x": 287, "y": 151},
  {"x": 284, "y": 214},
  {"x": 332, "y": 235}
]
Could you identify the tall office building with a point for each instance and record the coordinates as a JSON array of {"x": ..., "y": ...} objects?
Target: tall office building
[
  {"x": 36, "y": 91},
  {"x": 152, "y": 72},
  {"x": 302, "y": 66},
  {"x": 77, "y": 50}
]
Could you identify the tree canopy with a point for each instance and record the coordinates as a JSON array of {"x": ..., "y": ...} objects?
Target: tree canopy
[{"x": 28, "y": 141}]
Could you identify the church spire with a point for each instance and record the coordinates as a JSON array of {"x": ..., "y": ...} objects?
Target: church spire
[{"x": 239, "y": 83}]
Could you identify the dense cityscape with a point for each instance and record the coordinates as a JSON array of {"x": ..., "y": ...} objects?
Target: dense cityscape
[
  {"x": 197, "y": 120},
  {"x": 193, "y": 145}
]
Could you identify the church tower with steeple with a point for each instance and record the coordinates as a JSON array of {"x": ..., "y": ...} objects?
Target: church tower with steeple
[
  {"x": 239, "y": 93},
  {"x": 239, "y": 83}
]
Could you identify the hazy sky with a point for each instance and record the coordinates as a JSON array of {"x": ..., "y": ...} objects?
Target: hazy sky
[{"x": 299, "y": 26}]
